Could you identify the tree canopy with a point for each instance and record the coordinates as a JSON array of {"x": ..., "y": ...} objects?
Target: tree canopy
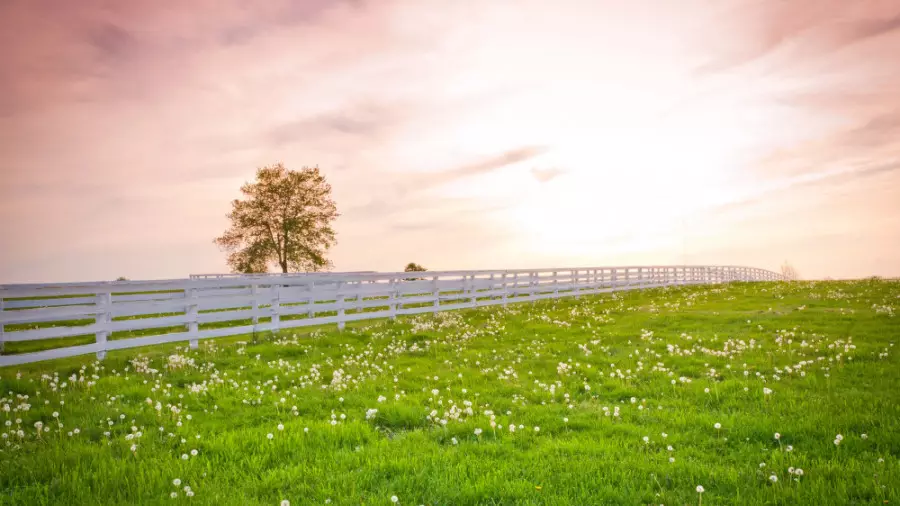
[
  {"x": 285, "y": 220},
  {"x": 414, "y": 267}
]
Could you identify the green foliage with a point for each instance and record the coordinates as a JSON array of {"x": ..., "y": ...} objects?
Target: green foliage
[
  {"x": 414, "y": 267},
  {"x": 285, "y": 220},
  {"x": 825, "y": 350}
]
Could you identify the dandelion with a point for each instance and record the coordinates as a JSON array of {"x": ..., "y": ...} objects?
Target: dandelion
[
  {"x": 477, "y": 433},
  {"x": 773, "y": 478},
  {"x": 646, "y": 440},
  {"x": 565, "y": 420},
  {"x": 767, "y": 391},
  {"x": 184, "y": 456},
  {"x": 537, "y": 429},
  {"x": 454, "y": 440},
  {"x": 270, "y": 435},
  {"x": 174, "y": 495},
  {"x": 864, "y": 436},
  {"x": 798, "y": 472},
  {"x": 671, "y": 460},
  {"x": 194, "y": 453},
  {"x": 285, "y": 502},
  {"x": 717, "y": 425},
  {"x": 176, "y": 482},
  {"x": 777, "y": 436},
  {"x": 280, "y": 427},
  {"x": 394, "y": 499}
]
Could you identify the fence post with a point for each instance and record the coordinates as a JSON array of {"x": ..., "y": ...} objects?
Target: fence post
[
  {"x": 1, "y": 323},
  {"x": 104, "y": 317},
  {"x": 340, "y": 311},
  {"x": 311, "y": 301},
  {"x": 392, "y": 299},
  {"x": 193, "y": 312},
  {"x": 613, "y": 278},
  {"x": 275, "y": 290},
  {"x": 472, "y": 299},
  {"x": 254, "y": 294},
  {"x": 436, "y": 294},
  {"x": 555, "y": 286},
  {"x": 505, "y": 292}
]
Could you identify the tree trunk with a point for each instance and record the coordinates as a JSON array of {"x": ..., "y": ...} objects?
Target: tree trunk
[{"x": 284, "y": 268}]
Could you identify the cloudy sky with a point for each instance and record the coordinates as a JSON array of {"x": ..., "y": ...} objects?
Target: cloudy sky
[{"x": 456, "y": 134}]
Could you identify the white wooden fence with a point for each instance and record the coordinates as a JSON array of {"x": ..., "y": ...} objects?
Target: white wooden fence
[{"x": 126, "y": 314}]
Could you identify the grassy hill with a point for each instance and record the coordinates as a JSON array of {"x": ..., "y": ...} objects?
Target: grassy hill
[{"x": 768, "y": 393}]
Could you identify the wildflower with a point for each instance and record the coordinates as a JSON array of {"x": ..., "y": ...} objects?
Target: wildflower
[
  {"x": 864, "y": 436},
  {"x": 790, "y": 448},
  {"x": 270, "y": 435},
  {"x": 767, "y": 391},
  {"x": 798, "y": 472},
  {"x": 176, "y": 482},
  {"x": 194, "y": 453},
  {"x": 537, "y": 429},
  {"x": 671, "y": 460},
  {"x": 394, "y": 499},
  {"x": 453, "y": 440},
  {"x": 717, "y": 425},
  {"x": 280, "y": 427},
  {"x": 773, "y": 478},
  {"x": 184, "y": 456},
  {"x": 777, "y": 436},
  {"x": 285, "y": 502},
  {"x": 477, "y": 433},
  {"x": 700, "y": 489},
  {"x": 646, "y": 439},
  {"x": 565, "y": 420},
  {"x": 173, "y": 495}
]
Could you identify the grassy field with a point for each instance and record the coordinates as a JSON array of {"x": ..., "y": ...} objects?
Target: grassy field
[{"x": 770, "y": 393}]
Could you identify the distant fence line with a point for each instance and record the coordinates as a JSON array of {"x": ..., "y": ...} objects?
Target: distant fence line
[{"x": 215, "y": 306}]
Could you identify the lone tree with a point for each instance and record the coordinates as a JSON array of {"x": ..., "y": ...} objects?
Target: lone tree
[
  {"x": 285, "y": 220},
  {"x": 788, "y": 272},
  {"x": 413, "y": 267}
]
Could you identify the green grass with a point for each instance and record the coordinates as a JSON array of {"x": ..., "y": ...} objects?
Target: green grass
[{"x": 824, "y": 349}]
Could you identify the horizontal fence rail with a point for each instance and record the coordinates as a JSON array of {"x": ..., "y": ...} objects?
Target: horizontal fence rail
[{"x": 127, "y": 314}]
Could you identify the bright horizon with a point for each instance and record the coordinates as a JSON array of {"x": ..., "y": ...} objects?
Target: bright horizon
[{"x": 457, "y": 135}]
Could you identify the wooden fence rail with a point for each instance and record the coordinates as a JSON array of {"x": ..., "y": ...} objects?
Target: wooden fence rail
[{"x": 204, "y": 307}]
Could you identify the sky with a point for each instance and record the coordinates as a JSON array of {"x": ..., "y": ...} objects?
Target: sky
[{"x": 458, "y": 135}]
